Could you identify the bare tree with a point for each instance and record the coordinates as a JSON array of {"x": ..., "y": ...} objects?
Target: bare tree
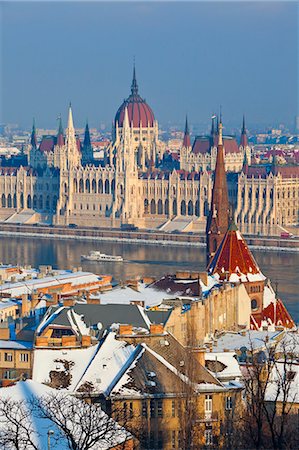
[
  {"x": 17, "y": 431},
  {"x": 84, "y": 425},
  {"x": 268, "y": 421}
]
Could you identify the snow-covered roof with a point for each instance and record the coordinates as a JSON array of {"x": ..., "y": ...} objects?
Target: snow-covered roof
[
  {"x": 76, "y": 361},
  {"x": 281, "y": 371},
  {"x": 15, "y": 345},
  {"x": 29, "y": 286},
  {"x": 227, "y": 367},
  {"x": 7, "y": 304},
  {"x": 249, "y": 339},
  {"x": 25, "y": 391}
]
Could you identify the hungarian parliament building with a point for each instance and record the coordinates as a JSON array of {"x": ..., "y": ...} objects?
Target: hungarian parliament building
[{"x": 63, "y": 184}]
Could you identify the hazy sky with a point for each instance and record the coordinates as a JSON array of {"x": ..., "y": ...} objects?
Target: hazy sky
[{"x": 190, "y": 57}]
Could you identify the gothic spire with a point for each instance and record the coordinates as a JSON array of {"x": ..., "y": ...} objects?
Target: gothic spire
[
  {"x": 70, "y": 122},
  {"x": 186, "y": 140},
  {"x": 218, "y": 219},
  {"x": 86, "y": 142},
  {"x": 134, "y": 86},
  {"x": 60, "y": 138},
  {"x": 33, "y": 139},
  {"x": 244, "y": 140}
]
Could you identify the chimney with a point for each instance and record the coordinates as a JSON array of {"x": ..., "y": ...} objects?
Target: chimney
[
  {"x": 137, "y": 302},
  {"x": 25, "y": 306},
  {"x": 125, "y": 330},
  {"x": 199, "y": 354},
  {"x": 156, "y": 328},
  {"x": 68, "y": 302}
]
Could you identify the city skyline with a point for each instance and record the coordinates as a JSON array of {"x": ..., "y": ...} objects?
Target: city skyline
[{"x": 190, "y": 58}]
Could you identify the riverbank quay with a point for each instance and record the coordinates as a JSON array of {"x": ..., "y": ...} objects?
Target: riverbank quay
[{"x": 142, "y": 237}]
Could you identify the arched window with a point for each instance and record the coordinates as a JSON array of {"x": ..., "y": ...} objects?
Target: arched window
[
  {"x": 75, "y": 185},
  {"x": 166, "y": 207},
  {"x": 183, "y": 208},
  {"x": 15, "y": 200},
  {"x": 206, "y": 208},
  {"x": 197, "y": 212},
  {"x": 94, "y": 186},
  {"x": 254, "y": 304},
  {"x": 22, "y": 200},
  {"x": 174, "y": 207},
  {"x": 54, "y": 204},
  {"x": 100, "y": 189},
  {"x": 107, "y": 187},
  {"x": 112, "y": 186},
  {"x": 9, "y": 203},
  {"x": 190, "y": 208},
  {"x": 81, "y": 186},
  {"x": 87, "y": 186},
  {"x": 3, "y": 201},
  {"x": 160, "y": 207},
  {"x": 146, "y": 206},
  {"x": 153, "y": 206},
  {"x": 41, "y": 202},
  {"x": 48, "y": 203},
  {"x": 34, "y": 202}
]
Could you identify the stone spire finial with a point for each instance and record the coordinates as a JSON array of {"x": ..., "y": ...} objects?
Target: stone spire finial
[
  {"x": 33, "y": 139},
  {"x": 70, "y": 122},
  {"x": 186, "y": 140},
  {"x": 86, "y": 142},
  {"x": 134, "y": 86}
]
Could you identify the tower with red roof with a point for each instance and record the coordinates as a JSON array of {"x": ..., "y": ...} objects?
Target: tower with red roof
[{"x": 218, "y": 218}]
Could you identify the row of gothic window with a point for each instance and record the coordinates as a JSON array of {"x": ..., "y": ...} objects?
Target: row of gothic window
[
  {"x": 35, "y": 202},
  {"x": 185, "y": 209}
]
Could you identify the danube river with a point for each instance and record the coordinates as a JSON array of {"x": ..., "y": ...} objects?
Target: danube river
[{"x": 146, "y": 260}]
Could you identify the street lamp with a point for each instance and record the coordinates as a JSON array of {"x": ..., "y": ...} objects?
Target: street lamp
[{"x": 49, "y": 433}]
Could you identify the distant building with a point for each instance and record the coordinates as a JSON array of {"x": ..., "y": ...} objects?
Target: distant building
[{"x": 137, "y": 181}]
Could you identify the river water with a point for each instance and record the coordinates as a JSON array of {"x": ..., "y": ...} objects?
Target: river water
[{"x": 146, "y": 260}]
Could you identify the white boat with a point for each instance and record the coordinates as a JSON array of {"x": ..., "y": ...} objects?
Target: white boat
[{"x": 98, "y": 256}]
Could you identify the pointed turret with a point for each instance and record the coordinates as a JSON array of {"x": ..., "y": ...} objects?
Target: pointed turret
[
  {"x": 87, "y": 150},
  {"x": 60, "y": 137},
  {"x": 70, "y": 122},
  {"x": 33, "y": 139},
  {"x": 73, "y": 152},
  {"x": 134, "y": 86},
  {"x": 86, "y": 142},
  {"x": 244, "y": 139},
  {"x": 218, "y": 219},
  {"x": 186, "y": 140}
]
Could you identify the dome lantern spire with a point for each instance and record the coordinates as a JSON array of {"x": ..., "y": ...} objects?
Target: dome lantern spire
[{"x": 134, "y": 85}]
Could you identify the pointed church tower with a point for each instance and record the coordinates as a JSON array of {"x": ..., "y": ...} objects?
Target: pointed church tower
[
  {"x": 218, "y": 218},
  {"x": 186, "y": 140},
  {"x": 73, "y": 154},
  {"x": 244, "y": 139},
  {"x": 33, "y": 139},
  {"x": 87, "y": 151},
  {"x": 60, "y": 137}
]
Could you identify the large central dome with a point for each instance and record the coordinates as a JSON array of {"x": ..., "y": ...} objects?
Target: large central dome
[{"x": 138, "y": 110}]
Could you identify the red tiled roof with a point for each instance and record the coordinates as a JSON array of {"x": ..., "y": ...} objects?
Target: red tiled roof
[
  {"x": 203, "y": 144},
  {"x": 273, "y": 314},
  {"x": 287, "y": 171},
  {"x": 138, "y": 112},
  {"x": 47, "y": 143},
  {"x": 233, "y": 257}
]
